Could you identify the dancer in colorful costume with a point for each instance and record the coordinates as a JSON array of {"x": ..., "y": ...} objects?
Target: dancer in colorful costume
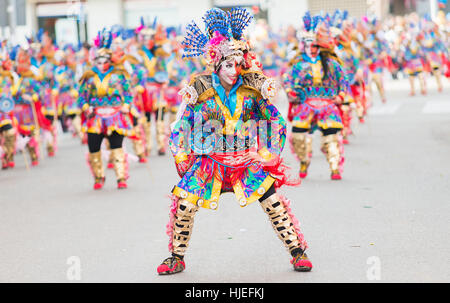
[
  {"x": 341, "y": 34},
  {"x": 215, "y": 147},
  {"x": 28, "y": 107},
  {"x": 315, "y": 86},
  {"x": 153, "y": 53},
  {"x": 42, "y": 65},
  {"x": 67, "y": 90},
  {"x": 413, "y": 62},
  {"x": 8, "y": 123},
  {"x": 105, "y": 98},
  {"x": 375, "y": 54},
  {"x": 434, "y": 51}
]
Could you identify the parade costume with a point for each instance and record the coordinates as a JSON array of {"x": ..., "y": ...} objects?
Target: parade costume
[
  {"x": 42, "y": 65},
  {"x": 434, "y": 51},
  {"x": 341, "y": 32},
  {"x": 209, "y": 168},
  {"x": 375, "y": 48},
  {"x": 28, "y": 106},
  {"x": 67, "y": 90},
  {"x": 105, "y": 98},
  {"x": 315, "y": 85},
  {"x": 126, "y": 61},
  {"x": 8, "y": 123},
  {"x": 153, "y": 54}
]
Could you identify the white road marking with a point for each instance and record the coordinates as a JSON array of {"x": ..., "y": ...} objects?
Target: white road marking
[{"x": 437, "y": 107}]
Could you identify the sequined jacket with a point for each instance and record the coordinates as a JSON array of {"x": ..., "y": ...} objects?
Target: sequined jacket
[
  {"x": 109, "y": 90},
  {"x": 207, "y": 125},
  {"x": 306, "y": 79}
]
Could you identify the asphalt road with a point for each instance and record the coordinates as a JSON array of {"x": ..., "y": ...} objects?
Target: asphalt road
[{"x": 386, "y": 221}]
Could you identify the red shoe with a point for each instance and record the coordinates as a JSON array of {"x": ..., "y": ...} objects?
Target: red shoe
[
  {"x": 301, "y": 263},
  {"x": 99, "y": 183},
  {"x": 11, "y": 164},
  {"x": 35, "y": 163},
  {"x": 51, "y": 154},
  {"x": 142, "y": 160},
  {"x": 110, "y": 165},
  {"x": 336, "y": 176},
  {"x": 303, "y": 170},
  {"x": 171, "y": 265},
  {"x": 345, "y": 141},
  {"x": 122, "y": 185},
  {"x": 362, "y": 121},
  {"x": 4, "y": 166}
]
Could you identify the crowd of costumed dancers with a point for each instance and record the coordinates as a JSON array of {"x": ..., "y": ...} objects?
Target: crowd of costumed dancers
[{"x": 133, "y": 83}]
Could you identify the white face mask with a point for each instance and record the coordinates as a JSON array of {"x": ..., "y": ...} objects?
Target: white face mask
[
  {"x": 102, "y": 64},
  {"x": 311, "y": 50},
  {"x": 230, "y": 70}
]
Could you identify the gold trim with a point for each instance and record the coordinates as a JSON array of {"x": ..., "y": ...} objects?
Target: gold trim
[{"x": 102, "y": 86}]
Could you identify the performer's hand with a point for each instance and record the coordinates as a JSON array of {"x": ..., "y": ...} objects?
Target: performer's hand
[
  {"x": 27, "y": 98},
  {"x": 125, "y": 109},
  {"x": 292, "y": 97},
  {"x": 338, "y": 100},
  {"x": 183, "y": 167}
]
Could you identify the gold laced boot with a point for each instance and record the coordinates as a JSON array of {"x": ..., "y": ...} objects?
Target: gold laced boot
[
  {"x": 76, "y": 123},
  {"x": 148, "y": 137},
  {"x": 138, "y": 147},
  {"x": 300, "y": 144},
  {"x": 284, "y": 228},
  {"x": 120, "y": 167},
  {"x": 331, "y": 145},
  {"x": 33, "y": 148},
  {"x": 96, "y": 164},
  {"x": 161, "y": 137},
  {"x": 9, "y": 147},
  {"x": 182, "y": 230}
]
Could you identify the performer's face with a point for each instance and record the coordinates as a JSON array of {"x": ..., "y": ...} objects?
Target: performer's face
[
  {"x": 148, "y": 41},
  {"x": 312, "y": 50},
  {"x": 230, "y": 70},
  {"x": 102, "y": 63}
]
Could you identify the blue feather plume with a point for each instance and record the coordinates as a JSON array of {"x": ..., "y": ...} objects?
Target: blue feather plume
[
  {"x": 216, "y": 20},
  {"x": 240, "y": 18},
  {"x": 194, "y": 41}
]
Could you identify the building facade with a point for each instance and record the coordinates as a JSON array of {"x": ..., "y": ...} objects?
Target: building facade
[{"x": 74, "y": 21}]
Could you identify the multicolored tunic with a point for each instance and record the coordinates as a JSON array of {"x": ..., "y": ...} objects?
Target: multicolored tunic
[
  {"x": 316, "y": 93},
  {"x": 6, "y": 84},
  {"x": 65, "y": 86},
  {"x": 106, "y": 94},
  {"x": 212, "y": 136},
  {"x": 28, "y": 115}
]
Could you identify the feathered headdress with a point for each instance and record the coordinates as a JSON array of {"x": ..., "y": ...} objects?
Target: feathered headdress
[
  {"x": 317, "y": 30},
  {"x": 146, "y": 28},
  {"x": 223, "y": 36},
  {"x": 102, "y": 43}
]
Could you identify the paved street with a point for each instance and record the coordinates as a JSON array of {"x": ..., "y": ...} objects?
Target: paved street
[{"x": 392, "y": 208}]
